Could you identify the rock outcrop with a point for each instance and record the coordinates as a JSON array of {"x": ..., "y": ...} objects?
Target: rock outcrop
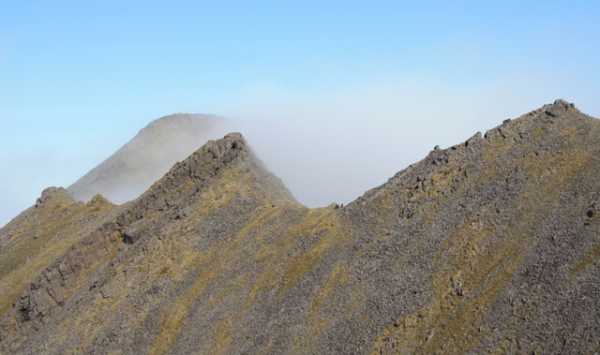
[{"x": 489, "y": 246}]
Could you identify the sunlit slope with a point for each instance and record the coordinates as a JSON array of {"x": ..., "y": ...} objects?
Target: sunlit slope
[
  {"x": 42, "y": 234},
  {"x": 490, "y": 246}
]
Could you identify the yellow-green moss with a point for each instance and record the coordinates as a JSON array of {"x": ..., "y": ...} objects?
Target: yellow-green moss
[
  {"x": 591, "y": 257},
  {"x": 222, "y": 337},
  {"x": 451, "y": 322},
  {"x": 326, "y": 225},
  {"x": 215, "y": 265},
  {"x": 34, "y": 247}
]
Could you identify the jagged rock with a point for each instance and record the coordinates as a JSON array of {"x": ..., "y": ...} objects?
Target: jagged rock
[
  {"x": 58, "y": 194},
  {"x": 489, "y": 246}
]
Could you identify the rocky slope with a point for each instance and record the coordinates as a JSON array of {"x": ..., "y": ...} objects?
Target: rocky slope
[
  {"x": 148, "y": 156},
  {"x": 490, "y": 246}
]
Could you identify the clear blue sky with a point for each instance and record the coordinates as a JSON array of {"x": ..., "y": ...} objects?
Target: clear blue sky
[{"x": 78, "y": 79}]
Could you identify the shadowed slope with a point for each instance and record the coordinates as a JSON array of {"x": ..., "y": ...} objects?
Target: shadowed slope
[{"x": 490, "y": 246}]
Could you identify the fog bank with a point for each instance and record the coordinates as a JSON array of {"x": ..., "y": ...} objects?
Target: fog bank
[
  {"x": 333, "y": 147},
  {"x": 326, "y": 146}
]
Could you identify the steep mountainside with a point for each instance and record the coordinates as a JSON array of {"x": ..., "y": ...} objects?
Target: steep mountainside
[
  {"x": 148, "y": 156},
  {"x": 36, "y": 238},
  {"x": 490, "y": 246}
]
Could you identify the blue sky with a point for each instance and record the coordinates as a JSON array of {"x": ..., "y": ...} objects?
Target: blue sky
[{"x": 78, "y": 79}]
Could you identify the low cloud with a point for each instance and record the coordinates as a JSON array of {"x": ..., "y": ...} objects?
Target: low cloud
[
  {"x": 329, "y": 146},
  {"x": 334, "y": 146}
]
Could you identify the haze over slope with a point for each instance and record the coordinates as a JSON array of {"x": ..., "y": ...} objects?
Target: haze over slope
[
  {"x": 490, "y": 246},
  {"x": 148, "y": 156}
]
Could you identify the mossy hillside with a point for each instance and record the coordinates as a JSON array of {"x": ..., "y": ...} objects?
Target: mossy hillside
[
  {"x": 40, "y": 236},
  {"x": 475, "y": 265},
  {"x": 235, "y": 284},
  {"x": 487, "y": 246},
  {"x": 238, "y": 185},
  {"x": 215, "y": 267}
]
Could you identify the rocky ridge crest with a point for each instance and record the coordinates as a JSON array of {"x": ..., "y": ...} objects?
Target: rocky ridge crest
[{"x": 488, "y": 246}]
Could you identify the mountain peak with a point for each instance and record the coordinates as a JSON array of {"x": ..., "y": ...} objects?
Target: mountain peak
[
  {"x": 564, "y": 104},
  {"x": 54, "y": 195},
  {"x": 230, "y": 143},
  {"x": 559, "y": 106},
  {"x": 148, "y": 156},
  {"x": 231, "y": 151},
  {"x": 224, "y": 164},
  {"x": 182, "y": 119},
  {"x": 488, "y": 246}
]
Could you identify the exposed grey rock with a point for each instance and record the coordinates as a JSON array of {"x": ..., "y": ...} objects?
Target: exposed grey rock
[{"x": 490, "y": 246}]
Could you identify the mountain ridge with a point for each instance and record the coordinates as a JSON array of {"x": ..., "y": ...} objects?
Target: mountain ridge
[
  {"x": 488, "y": 246},
  {"x": 150, "y": 154}
]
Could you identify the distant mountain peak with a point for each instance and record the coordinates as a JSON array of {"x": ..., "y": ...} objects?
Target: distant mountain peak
[
  {"x": 149, "y": 155},
  {"x": 181, "y": 118}
]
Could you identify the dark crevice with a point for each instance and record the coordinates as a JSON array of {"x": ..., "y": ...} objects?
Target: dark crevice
[{"x": 127, "y": 239}]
